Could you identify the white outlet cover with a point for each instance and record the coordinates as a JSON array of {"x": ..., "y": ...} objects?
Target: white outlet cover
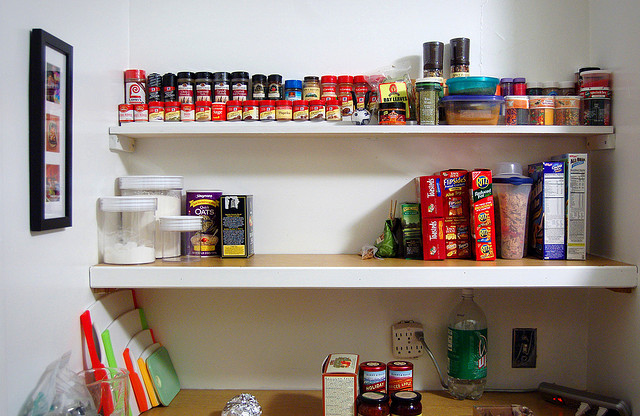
[{"x": 405, "y": 344}]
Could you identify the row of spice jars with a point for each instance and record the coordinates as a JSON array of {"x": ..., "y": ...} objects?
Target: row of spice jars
[
  {"x": 403, "y": 403},
  {"x": 520, "y": 86},
  {"x": 591, "y": 108}
]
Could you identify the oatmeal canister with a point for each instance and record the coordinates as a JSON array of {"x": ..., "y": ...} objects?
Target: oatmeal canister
[{"x": 207, "y": 205}]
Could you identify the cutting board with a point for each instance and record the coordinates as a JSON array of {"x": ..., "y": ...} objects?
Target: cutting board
[
  {"x": 162, "y": 373},
  {"x": 145, "y": 396}
]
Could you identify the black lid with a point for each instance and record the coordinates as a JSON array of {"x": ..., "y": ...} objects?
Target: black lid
[
  {"x": 221, "y": 76},
  {"x": 275, "y": 78},
  {"x": 460, "y": 51},
  {"x": 406, "y": 396},
  {"x": 185, "y": 74},
  {"x": 240, "y": 74},
  {"x": 204, "y": 74},
  {"x": 169, "y": 78},
  {"x": 588, "y": 68},
  {"x": 432, "y": 55},
  {"x": 311, "y": 79},
  {"x": 373, "y": 397},
  {"x": 259, "y": 78},
  {"x": 397, "y": 105},
  {"x": 154, "y": 79}
]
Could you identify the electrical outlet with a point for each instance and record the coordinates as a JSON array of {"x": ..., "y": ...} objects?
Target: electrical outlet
[
  {"x": 524, "y": 348},
  {"x": 404, "y": 340}
]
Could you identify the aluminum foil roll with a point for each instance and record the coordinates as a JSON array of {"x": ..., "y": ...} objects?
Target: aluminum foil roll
[{"x": 242, "y": 405}]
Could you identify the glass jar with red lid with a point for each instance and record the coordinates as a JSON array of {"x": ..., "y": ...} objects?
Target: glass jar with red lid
[
  {"x": 406, "y": 403},
  {"x": 373, "y": 403},
  {"x": 328, "y": 87},
  {"x": 361, "y": 88},
  {"x": 345, "y": 94}
]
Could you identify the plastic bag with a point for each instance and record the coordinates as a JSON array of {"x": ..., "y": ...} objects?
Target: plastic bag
[
  {"x": 387, "y": 243},
  {"x": 394, "y": 73},
  {"x": 59, "y": 392}
]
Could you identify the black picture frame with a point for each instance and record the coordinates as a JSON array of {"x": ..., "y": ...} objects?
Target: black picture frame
[{"x": 50, "y": 131}]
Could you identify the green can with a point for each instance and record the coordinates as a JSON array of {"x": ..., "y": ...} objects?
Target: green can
[{"x": 428, "y": 94}]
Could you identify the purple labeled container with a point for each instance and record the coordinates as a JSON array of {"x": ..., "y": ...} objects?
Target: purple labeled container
[{"x": 206, "y": 203}]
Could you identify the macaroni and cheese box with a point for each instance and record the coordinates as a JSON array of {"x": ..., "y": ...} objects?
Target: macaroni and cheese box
[
  {"x": 547, "y": 208},
  {"x": 236, "y": 225},
  {"x": 483, "y": 224},
  {"x": 340, "y": 384}
]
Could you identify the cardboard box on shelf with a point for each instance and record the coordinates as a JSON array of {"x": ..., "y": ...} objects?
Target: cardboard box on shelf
[
  {"x": 483, "y": 232},
  {"x": 547, "y": 207},
  {"x": 340, "y": 384},
  {"x": 236, "y": 225}
]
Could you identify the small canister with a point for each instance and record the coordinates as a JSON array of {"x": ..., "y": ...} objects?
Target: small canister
[
  {"x": 274, "y": 82},
  {"x": 204, "y": 84},
  {"x": 311, "y": 88},
  {"x": 534, "y": 88},
  {"x": 218, "y": 111},
  {"x": 140, "y": 112},
  {"x": 154, "y": 87},
  {"x": 550, "y": 88},
  {"x": 284, "y": 110},
  {"x": 517, "y": 110},
  {"x": 293, "y": 89},
  {"x": 406, "y": 403},
  {"x": 392, "y": 113},
  {"x": 135, "y": 86},
  {"x": 596, "y": 106},
  {"x": 172, "y": 111},
  {"x": 258, "y": 87},
  {"x": 125, "y": 113},
  {"x": 316, "y": 110},
  {"x": 169, "y": 87},
  {"x": 267, "y": 110},
  {"x": 399, "y": 376},
  {"x": 541, "y": 110},
  {"x": 567, "y": 88},
  {"x": 250, "y": 110},
  {"x": 300, "y": 110},
  {"x": 519, "y": 86},
  {"x": 180, "y": 236},
  {"x": 345, "y": 95},
  {"x": 206, "y": 204},
  {"x": 567, "y": 110},
  {"x": 506, "y": 86},
  {"x": 332, "y": 110},
  {"x": 203, "y": 110},
  {"x": 428, "y": 92},
  {"x": 221, "y": 86},
  {"x": 239, "y": 86},
  {"x": 187, "y": 112},
  {"x": 328, "y": 87},
  {"x": 373, "y": 377},
  {"x": 186, "y": 87},
  {"x": 156, "y": 111},
  {"x": 234, "y": 110}
]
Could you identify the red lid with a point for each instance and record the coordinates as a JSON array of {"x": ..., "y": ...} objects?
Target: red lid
[
  {"x": 203, "y": 103},
  {"x": 316, "y": 102},
  {"x": 399, "y": 365},
  {"x": 234, "y": 103},
  {"x": 300, "y": 102},
  {"x": 249, "y": 103},
  {"x": 345, "y": 79},
  {"x": 329, "y": 79},
  {"x": 271, "y": 103},
  {"x": 284, "y": 103},
  {"x": 172, "y": 104},
  {"x": 372, "y": 366},
  {"x": 134, "y": 73},
  {"x": 139, "y": 107},
  {"x": 187, "y": 106},
  {"x": 156, "y": 104},
  {"x": 331, "y": 101},
  {"x": 359, "y": 78},
  {"x": 125, "y": 107}
]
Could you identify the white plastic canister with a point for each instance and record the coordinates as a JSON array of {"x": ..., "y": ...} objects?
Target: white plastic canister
[{"x": 181, "y": 238}]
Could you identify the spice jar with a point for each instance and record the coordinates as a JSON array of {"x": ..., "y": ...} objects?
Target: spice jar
[
  {"x": 328, "y": 87},
  {"x": 172, "y": 111},
  {"x": 316, "y": 110},
  {"x": 406, "y": 403},
  {"x": 239, "y": 85},
  {"x": 459, "y": 57},
  {"x": 332, "y": 110},
  {"x": 550, "y": 88},
  {"x": 567, "y": 110},
  {"x": 221, "y": 86},
  {"x": 180, "y": 234},
  {"x": 127, "y": 229},
  {"x": 156, "y": 111},
  {"x": 345, "y": 95},
  {"x": 154, "y": 87},
  {"x": 432, "y": 59},
  {"x": 428, "y": 92},
  {"x": 274, "y": 87},
  {"x": 300, "y": 110},
  {"x": 250, "y": 110},
  {"x": 284, "y": 110},
  {"x": 361, "y": 89},
  {"x": 234, "y": 110},
  {"x": 534, "y": 88},
  {"x": 125, "y": 113},
  {"x": 258, "y": 87},
  {"x": 135, "y": 86},
  {"x": 519, "y": 86},
  {"x": 140, "y": 112},
  {"x": 372, "y": 376},
  {"x": 541, "y": 110},
  {"x": 204, "y": 83},
  {"x": 506, "y": 86},
  {"x": 399, "y": 376},
  {"x": 517, "y": 110},
  {"x": 169, "y": 87},
  {"x": 311, "y": 88},
  {"x": 218, "y": 111},
  {"x": 203, "y": 110},
  {"x": 373, "y": 404},
  {"x": 293, "y": 89},
  {"x": 187, "y": 112},
  {"x": 186, "y": 87},
  {"x": 392, "y": 113},
  {"x": 267, "y": 110},
  {"x": 566, "y": 88}
]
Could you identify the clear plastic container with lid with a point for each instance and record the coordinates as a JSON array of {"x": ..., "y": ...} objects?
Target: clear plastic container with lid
[
  {"x": 127, "y": 229},
  {"x": 167, "y": 190},
  {"x": 181, "y": 238}
]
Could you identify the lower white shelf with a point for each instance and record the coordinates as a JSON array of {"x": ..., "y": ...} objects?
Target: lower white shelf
[{"x": 350, "y": 271}]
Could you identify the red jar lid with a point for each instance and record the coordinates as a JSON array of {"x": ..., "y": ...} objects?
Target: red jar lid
[
  {"x": 234, "y": 103},
  {"x": 172, "y": 104},
  {"x": 331, "y": 101},
  {"x": 284, "y": 103},
  {"x": 249, "y": 103},
  {"x": 156, "y": 104},
  {"x": 399, "y": 365},
  {"x": 372, "y": 366},
  {"x": 359, "y": 78},
  {"x": 329, "y": 79},
  {"x": 300, "y": 102},
  {"x": 316, "y": 102},
  {"x": 134, "y": 73},
  {"x": 203, "y": 103},
  {"x": 187, "y": 106},
  {"x": 265, "y": 103},
  {"x": 345, "y": 79}
]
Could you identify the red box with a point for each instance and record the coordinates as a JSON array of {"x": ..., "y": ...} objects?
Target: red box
[
  {"x": 455, "y": 193},
  {"x": 433, "y": 242},
  {"x": 482, "y": 215},
  {"x": 429, "y": 194},
  {"x": 340, "y": 384}
]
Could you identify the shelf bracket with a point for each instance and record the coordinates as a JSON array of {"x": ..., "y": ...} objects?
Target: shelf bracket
[
  {"x": 118, "y": 143},
  {"x": 601, "y": 142}
]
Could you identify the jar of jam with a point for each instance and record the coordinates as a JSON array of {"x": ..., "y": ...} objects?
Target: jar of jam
[
  {"x": 406, "y": 403},
  {"x": 239, "y": 85},
  {"x": 274, "y": 85},
  {"x": 259, "y": 87},
  {"x": 221, "y": 86},
  {"x": 284, "y": 110},
  {"x": 373, "y": 403},
  {"x": 234, "y": 110},
  {"x": 186, "y": 87},
  {"x": 328, "y": 87},
  {"x": 250, "y": 110},
  {"x": 316, "y": 110},
  {"x": 311, "y": 88},
  {"x": 300, "y": 110},
  {"x": 399, "y": 376}
]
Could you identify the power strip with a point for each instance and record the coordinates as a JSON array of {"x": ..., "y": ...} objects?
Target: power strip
[
  {"x": 404, "y": 341},
  {"x": 583, "y": 400}
]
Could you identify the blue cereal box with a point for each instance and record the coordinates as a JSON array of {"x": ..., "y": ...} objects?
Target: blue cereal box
[{"x": 547, "y": 208}]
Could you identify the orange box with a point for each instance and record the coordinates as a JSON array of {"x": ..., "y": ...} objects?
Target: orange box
[
  {"x": 340, "y": 384},
  {"x": 483, "y": 225},
  {"x": 433, "y": 242}
]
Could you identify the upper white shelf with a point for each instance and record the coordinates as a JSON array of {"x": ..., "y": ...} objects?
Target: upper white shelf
[
  {"x": 122, "y": 138},
  {"x": 350, "y": 271}
]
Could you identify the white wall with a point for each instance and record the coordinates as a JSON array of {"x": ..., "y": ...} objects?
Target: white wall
[{"x": 44, "y": 278}]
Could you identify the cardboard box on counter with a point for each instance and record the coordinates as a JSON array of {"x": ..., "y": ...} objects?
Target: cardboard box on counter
[
  {"x": 236, "y": 225},
  {"x": 546, "y": 218},
  {"x": 340, "y": 384},
  {"x": 483, "y": 222}
]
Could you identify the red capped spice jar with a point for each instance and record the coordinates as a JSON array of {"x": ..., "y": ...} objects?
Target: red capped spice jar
[
  {"x": 345, "y": 94},
  {"x": 140, "y": 112},
  {"x": 268, "y": 110},
  {"x": 332, "y": 110},
  {"x": 135, "y": 86},
  {"x": 399, "y": 376},
  {"x": 218, "y": 111},
  {"x": 172, "y": 111},
  {"x": 406, "y": 403},
  {"x": 250, "y": 110},
  {"x": 187, "y": 112},
  {"x": 300, "y": 110},
  {"x": 125, "y": 113},
  {"x": 373, "y": 376},
  {"x": 328, "y": 87},
  {"x": 361, "y": 88},
  {"x": 234, "y": 110},
  {"x": 373, "y": 404},
  {"x": 156, "y": 111},
  {"x": 203, "y": 110},
  {"x": 316, "y": 110},
  {"x": 284, "y": 110}
]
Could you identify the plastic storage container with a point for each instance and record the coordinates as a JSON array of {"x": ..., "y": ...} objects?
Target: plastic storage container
[
  {"x": 472, "y": 85},
  {"x": 127, "y": 229},
  {"x": 512, "y": 190},
  {"x": 596, "y": 79},
  {"x": 181, "y": 238},
  {"x": 473, "y": 109},
  {"x": 567, "y": 110},
  {"x": 167, "y": 190}
]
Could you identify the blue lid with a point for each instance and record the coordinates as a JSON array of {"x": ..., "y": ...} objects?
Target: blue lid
[
  {"x": 497, "y": 98},
  {"x": 506, "y": 80},
  {"x": 473, "y": 80},
  {"x": 293, "y": 83},
  {"x": 514, "y": 180}
]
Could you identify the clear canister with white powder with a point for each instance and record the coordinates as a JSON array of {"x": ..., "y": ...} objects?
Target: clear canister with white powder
[
  {"x": 127, "y": 229},
  {"x": 181, "y": 238},
  {"x": 167, "y": 189}
]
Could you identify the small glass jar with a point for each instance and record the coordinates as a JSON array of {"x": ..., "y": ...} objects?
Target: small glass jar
[
  {"x": 406, "y": 403},
  {"x": 519, "y": 86},
  {"x": 181, "y": 237},
  {"x": 203, "y": 110},
  {"x": 428, "y": 93},
  {"x": 311, "y": 88},
  {"x": 373, "y": 403},
  {"x": 169, "y": 87},
  {"x": 550, "y": 88},
  {"x": 172, "y": 111},
  {"x": 187, "y": 112},
  {"x": 567, "y": 88},
  {"x": 239, "y": 85},
  {"x": 534, "y": 88},
  {"x": 328, "y": 87},
  {"x": 316, "y": 110},
  {"x": 234, "y": 110},
  {"x": 186, "y": 87},
  {"x": 345, "y": 95},
  {"x": 300, "y": 110},
  {"x": 361, "y": 89},
  {"x": 127, "y": 229},
  {"x": 250, "y": 110},
  {"x": 267, "y": 110},
  {"x": 274, "y": 85},
  {"x": 541, "y": 110},
  {"x": 258, "y": 87},
  {"x": 332, "y": 110},
  {"x": 221, "y": 86},
  {"x": 156, "y": 111},
  {"x": 293, "y": 89},
  {"x": 506, "y": 86},
  {"x": 204, "y": 84},
  {"x": 459, "y": 57},
  {"x": 284, "y": 110}
]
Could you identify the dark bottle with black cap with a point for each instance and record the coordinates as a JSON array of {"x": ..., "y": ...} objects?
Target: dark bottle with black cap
[
  {"x": 459, "y": 57},
  {"x": 432, "y": 59},
  {"x": 169, "y": 87}
]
